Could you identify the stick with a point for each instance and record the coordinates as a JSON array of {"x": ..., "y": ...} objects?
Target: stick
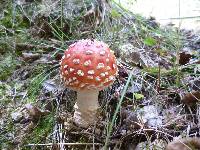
[{"x": 68, "y": 144}]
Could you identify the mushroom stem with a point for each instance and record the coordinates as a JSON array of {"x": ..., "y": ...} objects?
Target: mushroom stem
[{"x": 86, "y": 107}]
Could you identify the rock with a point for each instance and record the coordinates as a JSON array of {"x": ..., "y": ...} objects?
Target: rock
[
  {"x": 16, "y": 117},
  {"x": 50, "y": 86},
  {"x": 149, "y": 115}
]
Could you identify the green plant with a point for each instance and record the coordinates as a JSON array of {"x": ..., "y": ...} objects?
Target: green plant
[
  {"x": 40, "y": 131},
  {"x": 7, "y": 66},
  {"x": 111, "y": 124}
]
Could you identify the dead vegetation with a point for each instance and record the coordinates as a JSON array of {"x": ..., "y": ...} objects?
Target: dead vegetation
[{"x": 154, "y": 99}]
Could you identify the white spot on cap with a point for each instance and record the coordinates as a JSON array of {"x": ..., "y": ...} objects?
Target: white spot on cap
[
  {"x": 87, "y": 63},
  {"x": 111, "y": 78},
  {"x": 106, "y": 80},
  {"x": 70, "y": 80},
  {"x": 76, "y": 61},
  {"x": 89, "y": 42},
  {"x": 88, "y": 52},
  {"x": 90, "y": 77},
  {"x": 102, "y": 53},
  {"x": 72, "y": 45},
  {"x": 66, "y": 72},
  {"x": 112, "y": 51},
  {"x": 80, "y": 73},
  {"x": 65, "y": 66},
  {"x": 114, "y": 66},
  {"x": 97, "y": 78},
  {"x": 74, "y": 78},
  {"x": 71, "y": 69},
  {"x": 91, "y": 72},
  {"x": 108, "y": 68},
  {"x": 68, "y": 55},
  {"x": 106, "y": 73},
  {"x": 102, "y": 74},
  {"x": 99, "y": 44},
  {"x": 66, "y": 82},
  {"x": 63, "y": 57},
  {"x": 107, "y": 60},
  {"x": 100, "y": 65}
]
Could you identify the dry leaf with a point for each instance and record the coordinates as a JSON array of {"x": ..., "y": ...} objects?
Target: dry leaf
[
  {"x": 34, "y": 112},
  {"x": 191, "y": 98},
  {"x": 30, "y": 56},
  {"x": 184, "y": 58},
  {"x": 184, "y": 144}
]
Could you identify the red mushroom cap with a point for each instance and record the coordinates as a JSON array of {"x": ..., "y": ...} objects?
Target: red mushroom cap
[{"x": 88, "y": 64}]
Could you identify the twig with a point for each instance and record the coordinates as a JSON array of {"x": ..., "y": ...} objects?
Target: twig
[{"x": 68, "y": 144}]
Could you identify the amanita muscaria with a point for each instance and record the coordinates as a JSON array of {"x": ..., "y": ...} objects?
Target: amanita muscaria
[{"x": 87, "y": 67}]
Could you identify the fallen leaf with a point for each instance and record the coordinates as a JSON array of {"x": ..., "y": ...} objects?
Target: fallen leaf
[
  {"x": 30, "y": 57},
  {"x": 191, "y": 98},
  {"x": 35, "y": 113},
  {"x": 184, "y": 144},
  {"x": 184, "y": 58}
]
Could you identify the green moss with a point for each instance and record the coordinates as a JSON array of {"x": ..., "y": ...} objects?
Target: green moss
[
  {"x": 5, "y": 138},
  {"x": 13, "y": 18},
  {"x": 37, "y": 78},
  {"x": 7, "y": 66},
  {"x": 41, "y": 131}
]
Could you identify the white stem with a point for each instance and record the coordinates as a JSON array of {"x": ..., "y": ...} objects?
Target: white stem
[{"x": 86, "y": 107}]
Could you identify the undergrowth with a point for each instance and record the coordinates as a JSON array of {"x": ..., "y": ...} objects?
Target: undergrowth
[{"x": 40, "y": 133}]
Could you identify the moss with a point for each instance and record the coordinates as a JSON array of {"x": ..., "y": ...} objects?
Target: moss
[
  {"x": 41, "y": 131},
  {"x": 13, "y": 18},
  {"x": 5, "y": 136},
  {"x": 8, "y": 64},
  {"x": 37, "y": 78}
]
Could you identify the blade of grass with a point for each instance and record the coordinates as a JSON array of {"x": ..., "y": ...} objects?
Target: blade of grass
[
  {"x": 178, "y": 48},
  {"x": 110, "y": 126},
  {"x": 57, "y": 30},
  {"x": 36, "y": 83},
  {"x": 61, "y": 21}
]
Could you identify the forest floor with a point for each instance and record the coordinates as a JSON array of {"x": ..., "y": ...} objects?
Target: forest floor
[{"x": 157, "y": 90}]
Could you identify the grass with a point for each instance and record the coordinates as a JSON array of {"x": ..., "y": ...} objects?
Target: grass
[
  {"x": 111, "y": 124},
  {"x": 40, "y": 131},
  {"x": 8, "y": 64},
  {"x": 6, "y": 142}
]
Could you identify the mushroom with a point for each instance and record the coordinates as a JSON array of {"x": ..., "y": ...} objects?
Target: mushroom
[{"x": 87, "y": 67}]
